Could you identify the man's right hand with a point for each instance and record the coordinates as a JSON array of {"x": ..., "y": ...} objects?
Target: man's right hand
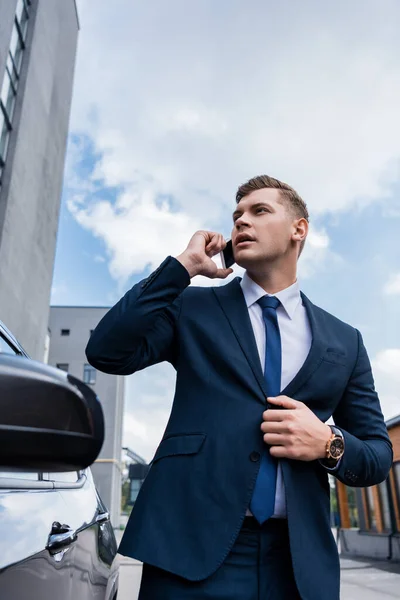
[{"x": 197, "y": 258}]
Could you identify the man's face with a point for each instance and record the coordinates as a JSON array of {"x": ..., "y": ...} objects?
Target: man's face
[{"x": 267, "y": 222}]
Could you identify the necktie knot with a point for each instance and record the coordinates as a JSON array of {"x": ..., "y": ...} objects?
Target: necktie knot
[{"x": 269, "y": 302}]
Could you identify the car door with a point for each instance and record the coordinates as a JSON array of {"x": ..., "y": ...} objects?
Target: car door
[
  {"x": 28, "y": 508},
  {"x": 95, "y": 575}
]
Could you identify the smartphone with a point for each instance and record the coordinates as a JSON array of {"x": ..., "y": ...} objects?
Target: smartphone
[{"x": 227, "y": 256}]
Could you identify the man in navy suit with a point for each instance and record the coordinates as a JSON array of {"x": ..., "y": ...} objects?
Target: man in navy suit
[{"x": 236, "y": 504}]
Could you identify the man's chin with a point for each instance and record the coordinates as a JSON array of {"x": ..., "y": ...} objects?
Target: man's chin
[{"x": 255, "y": 264}]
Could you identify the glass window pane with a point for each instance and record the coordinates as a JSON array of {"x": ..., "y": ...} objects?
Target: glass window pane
[
  {"x": 14, "y": 40},
  {"x": 89, "y": 374},
  {"x": 20, "y": 9},
  {"x": 4, "y": 137},
  {"x": 396, "y": 470},
  {"x": 23, "y": 23},
  {"x": 5, "y": 347},
  {"x": 6, "y": 89},
  {"x": 12, "y": 71},
  {"x": 384, "y": 498},
  {"x": 371, "y": 507},
  {"x": 7, "y": 96},
  {"x": 352, "y": 504},
  {"x": 3, "y": 124},
  {"x": 16, "y": 48}
]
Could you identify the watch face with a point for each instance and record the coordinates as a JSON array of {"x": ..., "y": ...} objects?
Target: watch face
[{"x": 337, "y": 447}]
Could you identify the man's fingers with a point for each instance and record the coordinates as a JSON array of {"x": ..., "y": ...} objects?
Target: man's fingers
[
  {"x": 277, "y": 415},
  {"x": 274, "y": 439},
  {"x": 284, "y": 401},
  {"x": 274, "y": 427},
  {"x": 279, "y": 451},
  {"x": 216, "y": 244},
  {"x": 223, "y": 273}
]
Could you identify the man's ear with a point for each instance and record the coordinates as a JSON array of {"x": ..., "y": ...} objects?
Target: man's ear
[{"x": 301, "y": 228}]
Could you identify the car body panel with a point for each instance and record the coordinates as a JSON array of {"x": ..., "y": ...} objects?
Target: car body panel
[{"x": 86, "y": 568}]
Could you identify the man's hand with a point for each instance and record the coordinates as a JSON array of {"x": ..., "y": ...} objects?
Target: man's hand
[
  {"x": 294, "y": 432},
  {"x": 197, "y": 258}
]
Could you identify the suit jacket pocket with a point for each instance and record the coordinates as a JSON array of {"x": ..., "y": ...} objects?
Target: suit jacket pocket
[{"x": 178, "y": 444}]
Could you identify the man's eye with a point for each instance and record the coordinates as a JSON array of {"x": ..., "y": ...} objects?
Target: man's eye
[{"x": 262, "y": 208}]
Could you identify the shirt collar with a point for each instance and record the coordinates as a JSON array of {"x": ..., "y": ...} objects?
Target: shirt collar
[{"x": 289, "y": 297}]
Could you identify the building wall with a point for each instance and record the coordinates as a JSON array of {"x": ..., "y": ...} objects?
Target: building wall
[
  {"x": 374, "y": 530},
  {"x": 32, "y": 178},
  {"x": 109, "y": 388}
]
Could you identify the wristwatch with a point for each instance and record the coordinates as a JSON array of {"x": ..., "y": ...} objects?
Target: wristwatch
[{"x": 334, "y": 446}]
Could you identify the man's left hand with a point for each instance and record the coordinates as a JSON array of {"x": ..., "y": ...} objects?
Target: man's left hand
[{"x": 294, "y": 432}]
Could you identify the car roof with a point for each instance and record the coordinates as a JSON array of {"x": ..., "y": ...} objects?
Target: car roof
[{"x": 6, "y": 333}]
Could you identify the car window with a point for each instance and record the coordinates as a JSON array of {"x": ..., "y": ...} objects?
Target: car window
[{"x": 6, "y": 347}]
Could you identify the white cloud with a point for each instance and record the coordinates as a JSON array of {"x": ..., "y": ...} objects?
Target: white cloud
[
  {"x": 188, "y": 104},
  {"x": 192, "y": 99},
  {"x": 148, "y": 403},
  {"x": 385, "y": 367},
  {"x": 58, "y": 291},
  {"x": 392, "y": 287}
]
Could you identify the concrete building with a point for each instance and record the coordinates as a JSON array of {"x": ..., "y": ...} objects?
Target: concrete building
[
  {"x": 70, "y": 328},
  {"x": 370, "y": 517},
  {"x": 38, "y": 41}
]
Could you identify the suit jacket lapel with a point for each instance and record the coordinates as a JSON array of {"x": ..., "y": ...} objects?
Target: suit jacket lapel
[
  {"x": 317, "y": 350},
  {"x": 231, "y": 299},
  {"x": 233, "y": 304}
]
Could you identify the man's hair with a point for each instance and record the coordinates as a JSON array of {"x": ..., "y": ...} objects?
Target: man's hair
[{"x": 288, "y": 196}]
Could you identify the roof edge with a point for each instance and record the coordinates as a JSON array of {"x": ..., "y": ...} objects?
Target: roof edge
[{"x": 393, "y": 422}]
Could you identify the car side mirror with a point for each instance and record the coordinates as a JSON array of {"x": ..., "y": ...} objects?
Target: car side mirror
[{"x": 49, "y": 420}]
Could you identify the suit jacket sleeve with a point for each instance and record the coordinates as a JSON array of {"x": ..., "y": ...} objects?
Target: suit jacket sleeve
[
  {"x": 140, "y": 330},
  {"x": 368, "y": 452}
]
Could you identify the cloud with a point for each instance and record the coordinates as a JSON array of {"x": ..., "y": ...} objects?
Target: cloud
[
  {"x": 385, "y": 367},
  {"x": 189, "y": 100},
  {"x": 148, "y": 403},
  {"x": 58, "y": 291},
  {"x": 177, "y": 123},
  {"x": 392, "y": 287}
]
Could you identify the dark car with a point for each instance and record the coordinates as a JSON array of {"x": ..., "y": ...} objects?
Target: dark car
[{"x": 56, "y": 539}]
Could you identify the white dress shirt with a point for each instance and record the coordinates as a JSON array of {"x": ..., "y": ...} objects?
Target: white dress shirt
[{"x": 296, "y": 338}]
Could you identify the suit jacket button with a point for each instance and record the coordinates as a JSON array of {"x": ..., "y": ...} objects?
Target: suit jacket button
[{"x": 255, "y": 456}]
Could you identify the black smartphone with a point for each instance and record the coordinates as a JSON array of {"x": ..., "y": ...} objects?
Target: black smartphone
[{"x": 227, "y": 256}]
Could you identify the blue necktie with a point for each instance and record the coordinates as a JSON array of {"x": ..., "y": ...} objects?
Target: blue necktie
[{"x": 262, "y": 504}]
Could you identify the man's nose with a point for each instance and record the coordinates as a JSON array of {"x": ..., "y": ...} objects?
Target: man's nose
[{"x": 241, "y": 221}]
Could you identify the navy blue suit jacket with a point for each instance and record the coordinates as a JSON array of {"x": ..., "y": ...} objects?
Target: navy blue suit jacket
[{"x": 194, "y": 498}]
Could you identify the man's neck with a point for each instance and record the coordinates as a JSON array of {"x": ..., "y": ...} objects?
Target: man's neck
[{"x": 274, "y": 282}]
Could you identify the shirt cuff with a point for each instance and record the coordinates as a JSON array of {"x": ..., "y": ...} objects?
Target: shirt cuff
[{"x": 324, "y": 463}]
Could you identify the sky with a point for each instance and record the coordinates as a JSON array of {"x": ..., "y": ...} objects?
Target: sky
[{"x": 175, "y": 104}]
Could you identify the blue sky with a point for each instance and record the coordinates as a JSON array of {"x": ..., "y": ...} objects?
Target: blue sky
[{"x": 173, "y": 109}]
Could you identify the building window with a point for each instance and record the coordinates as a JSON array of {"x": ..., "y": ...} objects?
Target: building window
[
  {"x": 63, "y": 366},
  {"x": 89, "y": 374},
  {"x": 385, "y": 508},
  {"x": 396, "y": 472},
  {"x": 352, "y": 505},
  {"x": 369, "y": 497},
  {"x": 65, "y": 331},
  {"x": 11, "y": 76}
]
